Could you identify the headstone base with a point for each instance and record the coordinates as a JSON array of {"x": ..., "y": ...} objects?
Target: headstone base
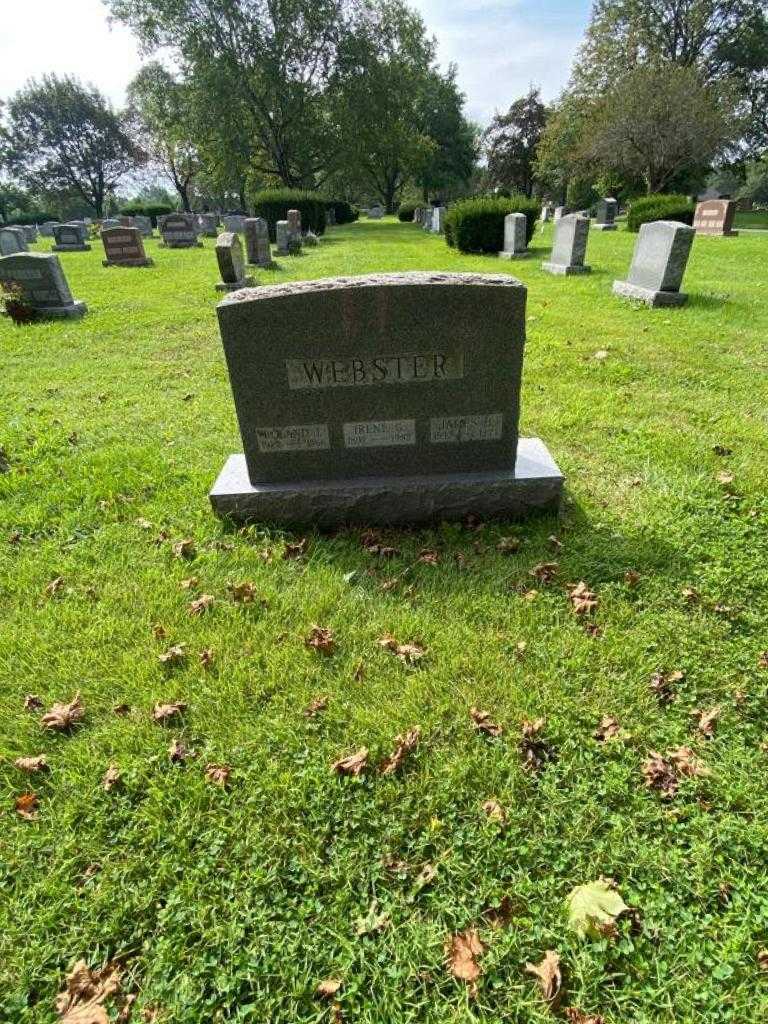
[
  {"x": 269, "y": 265},
  {"x": 180, "y": 245},
  {"x": 717, "y": 234},
  {"x": 605, "y": 227},
  {"x": 224, "y": 286},
  {"x": 71, "y": 248},
  {"x": 73, "y": 312},
  {"x": 565, "y": 269},
  {"x": 649, "y": 296},
  {"x": 536, "y": 485},
  {"x": 146, "y": 262},
  {"x": 503, "y": 255}
]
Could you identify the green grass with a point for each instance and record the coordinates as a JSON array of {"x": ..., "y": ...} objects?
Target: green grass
[
  {"x": 231, "y": 905},
  {"x": 751, "y": 219}
]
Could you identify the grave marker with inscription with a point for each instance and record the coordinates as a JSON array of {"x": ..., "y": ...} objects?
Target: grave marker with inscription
[
  {"x": 144, "y": 224},
  {"x": 179, "y": 232},
  {"x": 515, "y": 246},
  {"x": 46, "y": 229},
  {"x": 570, "y": 246},
  {"x": 715, "y": 217},
  {"x": 390, "y": 398},
  {"x": 12, "y": 240},
  {"x": 70, "y": 238},
  {"x": 45, "y": 287},
  {"x": 229, "y": 254},
  {"x": 234, "y": 222},
  {"x": 283, "y": 238},
  {"x": 30, "y": 232},
  {"x": 658, "y": 264},
  {"x": 605, "y": 216},
  {"x": 209, "y": 224},
  {"x": 124, "y": 247},
  {"x": 257, "y": 242}
]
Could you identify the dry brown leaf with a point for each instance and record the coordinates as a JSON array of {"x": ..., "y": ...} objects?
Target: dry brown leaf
[
  {"x": 404, "y": 745},
  {"x": 359, "y": 672},
  {"x": 201, "y": 604},
  {"x": 190, "y": 583},
  {"x": 54, "y": 587},
  {"x": 159, "y": 632},
  {"x": 545, "y": 572},
  {"x": 548, "y": 975},
  {"x": 660, "y": 775},
  {"x": 321, "y": 640},
  {"x": 164, "y": 713},
  {"x": 725, "y": 478},
  {"x": 184, "y": 548},
  {"x": 175, "y": 654},
  {"x": 179, "y": 752},
  {"x": 205, "y": 657},
  {"x": 429, "y": 557},
  {"x": 31, "y": 765},
  {"x": 353, "y": 764},
  {"x": 608, "y": 729},
  {"x": 26, "y": 806},
  {"x": 687, "y": 763},
  {"x": 218, "y": 774},
  {"x": 32, "y": 702},
  {"x": 762, "y": 959},
  {"x": 121, "y": 710},
  {"x": 501, "y": 915},
  {"x": 483, "y": 722},
  {"x": 706, "y": 721},
  {"x": 574, "y": 1016},
  {"x": 509, "y": 545},
  {"x": 315, "y": 706},
  {"x": 762, "y": 659},
  {"x": 632, "y": 578},
  {"x": 663, "y": 684},
  {"x": 691, "y": 595},
  {"x": 408, "y": 653},
  {"x": 583, "y": 599},
  {"x": 63, "y": 716},
  {"x": 296, "y": 550},
  {"x": 83, "y": 1000},
  {"x": 462, "y": 951},
  {"x": 327, "y": 989},
  {"x": 534, "y": 748},
  {"x": 242, "y": 593},
  {"x": 112, "y": 778},
  {"x": 494, "y": 811}
]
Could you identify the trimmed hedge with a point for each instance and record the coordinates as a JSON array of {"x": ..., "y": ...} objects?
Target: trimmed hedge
[
  {"x": 151, "y": 210},
  {"x": 406, "y": 212},
  {"x": 345, "y": 212},
  {"x": 659, "y": 207},
  {"x": 35, "y": 217},
  {"x": 273, "y": 205},
  {"x": 477, "y": 225}
]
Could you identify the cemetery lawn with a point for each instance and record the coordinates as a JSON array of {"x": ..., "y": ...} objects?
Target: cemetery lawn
[{"x": 231, "y": 903}]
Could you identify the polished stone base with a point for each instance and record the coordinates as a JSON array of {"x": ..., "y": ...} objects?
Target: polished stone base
[
  {"x": 504, "y": 255},
  {"x": 604, "y": 227},
  {"x": 73, "y": 312},
  {"x": 224, "y": 286},
  {"x": 71, "y": 248},
  {"x": 535, "y": 486},
  {"x": 146, "y": 262},
  {"x": 649, "y": 296},
  {"x": 565, "y": 269}
]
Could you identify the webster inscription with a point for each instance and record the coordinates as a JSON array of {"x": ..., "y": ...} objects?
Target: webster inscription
[{"x": 345, "y": 372}]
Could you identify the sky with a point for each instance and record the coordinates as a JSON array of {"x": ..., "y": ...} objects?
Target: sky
[{"x": 500, "y": 48}]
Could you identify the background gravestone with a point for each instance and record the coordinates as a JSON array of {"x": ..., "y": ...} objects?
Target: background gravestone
[
  {"x": 388, "y": 398},
  {"x": 45, "y": 287},
  {"x": 30, "y": 232},
  {"x": 282, "y": 238},
  {"x": 515, "y": 227},
  {"x": 570, "y": 246},
  {"x": 209, "y": 224},
  {"x": 715, "y": 217},
  {"x": 12, "y": 240},
  {"x": 330, "y": 216},
  {"x": 70, "y": 238},
  {"x": 257, "y": 246},
  {"x": 144, "y": 224},
  {"x": 376, "y": 212},
  {"x": 658, "y": 264},
  {"x": 46, "y": 229},
  {"x": 605, "y": 215},
  {"x": 233, "y": 222},
  {"x": 179, "y": 232},
  {"x": 229, "y": 254},
  {"x": 126, "y": 221},
  {"x": 558, "y": 213},
  {"x": 438, "y": 220},
  {"x": 429, "y": 215},
  {"x": 123, "y": 247}
]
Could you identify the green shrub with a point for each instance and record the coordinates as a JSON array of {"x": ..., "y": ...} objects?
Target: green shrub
[
  {"x": 406, "y": 212},
  {"x": 33, "y": 217},
  {"x": 345, "y": 212},
  {"x": 477, "y": 225},
  {"x": 152, "y": 210},
  {"x": 659, "y": 207},
  {"x": 273, "y": 205}
]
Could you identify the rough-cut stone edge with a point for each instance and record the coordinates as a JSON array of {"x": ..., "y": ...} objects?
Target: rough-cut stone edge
[
  {"x": 416, "y": 277},
  {"x": 650, "y": 296},
  {"x": 535, "y": 486},
  {"x": 565, "y": 269}
]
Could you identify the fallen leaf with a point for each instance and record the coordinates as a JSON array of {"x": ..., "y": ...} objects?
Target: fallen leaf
[
  {"x": 574, "y": 1016},
  {"x": 201, "y": 604},
  {"x": 762, "y": 959},
  {"x": 762, "y": 660},
  {"x": 32, "y": 702},
  {"x": 720, "y": 449},
  {"x": 601, "y": 354},
  {"x": 190, "y": 583},
  {"x": 321, "y": 640},
  {"x": 54, "y": 587},
  {"x": 359, "y": 672},
  {"x": 555, "y": 542},
  {"x": 179, "y": 752},
  {"x": 632, "y": 578},
  {"x": 218, "y": 774},
  {"x": 315, "y": 706},
  {"x": 534, "y": 748},
  {"x": 691, "y": 595},
  {"x": 660, "y": 774},
  {"x": 428, "y": 557},
  {"x": 502, "y": 914},
  {"x": 296, "y": 550},
  {"x": 725, "y": 478},
  {"x": 609, "y": 729},
  {"x": 509, "y": 545},
  {"x": 205, "y": 657},
  {"x": 548, "y": 975},
  {"x": 373, "y": 921},
  {"x": 63, "y": 716},
  {"x": 520, "y": 649},
  {"x": 706, "y": 721},
  {"x": 353, "y": 764},
  {"x": 159, "y": 632},
  {"x": 462, "y": 951},
  {"x": 173, "y": 656},
  {"x": 483, "y": 723},
  {"x": 327, "y": 989},
  {"x": 408, "y": 653},
  {"x": 545, "y": 572},
  {"x": 494, "y": 811},
  {"x": 26, "y": 806},
  {"x": 242, "y": 593},
  {"x": 184, "y": 548},
  {"x": 663, "y": 684},
  {"x": 404, "y": 745},
  {"x": 142, "y": 523},
  {"x": 594, "y": 908},
  {"x": 83, "y": 1000},
  {"x": 121, "y": 710},
  {"x": 31, "y": 764},
  {"x": 425, "y": 877},
  {"x": 687, "y": 763},
  {"x": 583, "y": 599},
  {"x": 163, "y": 713},
  {"x": 111, "y": 779}
]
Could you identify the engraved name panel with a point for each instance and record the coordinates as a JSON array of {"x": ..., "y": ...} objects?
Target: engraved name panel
[
  {"x": 300, "y": 438},
  {"x": 456, "y": 429},
  {"x": 344, "y": 372},
  {"x": 380, "y": 434}
]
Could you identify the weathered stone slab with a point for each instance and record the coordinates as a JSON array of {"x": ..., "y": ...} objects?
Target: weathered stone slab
[
  {"x": 46, "y": 229},
  {"x": 45, "y": 287},
  {"x": 515, "y": 247},
  {"x": 12, "y": 240},
  {"x": 282, "y": 236},
  {"x": 234, "y": 222},
  {"x": 111, "y": 222},
  {"x": 438, "y": 220},
  {"x": 229, "y": 254},
  {"x": 179, "y": 231},
  {"x": 378, "y": 379},
  {"x": 376, "y": 212},
  {"x": 30, "y": 232},
  {"x": 558, "y": 213},
  {"x": 70, "y": 238},
  {"x": 570, "y": 246},
  {"x": 605, "y": 217},
  {"x": 257, "y": 246},
  {"x": 208, "y": 224},
  {"x": 546, "y": 213},
  {"x": 658, "y": 264},
  {"x": 124, "y": 247},
  {"x": 715, "y": 217},
  {"x": 144, "y": 224}
]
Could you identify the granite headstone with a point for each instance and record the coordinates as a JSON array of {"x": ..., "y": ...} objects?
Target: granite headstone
[
  {"x": 12, "y": 240},
  {"x": 229, "y": 255},
  {"x": 283, "y": 238},
  {"x": 715, "y": 217},
  {"x": 70, "y": 238},
  {"x": 179, "y": 231},
  {"x": 124, "y": 247},
  {"x": 658, "y": 264},
  {"x": 376, "y": 212},
  {"x": 570, "y": 246},
  {"x": 233, "y": 222},
  {"x": 209, "y": 224},
  {"x": 515, "y": 246},
  {"x": 605, "y": 215},
  {"x": 43, "y": 282},
  {"x": 257, "y": 247}
]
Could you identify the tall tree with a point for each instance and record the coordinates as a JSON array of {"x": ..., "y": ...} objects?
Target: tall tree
[
  {"x": 511, "y": 142},
  {"x": 452, "y": 158},
  {"x": 63, "y": 137}
]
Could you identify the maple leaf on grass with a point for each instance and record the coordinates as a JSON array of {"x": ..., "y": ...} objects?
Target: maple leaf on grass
[
  {"x": 534, "y": 749},
  {"x": 576, "y": 1016},
  {"x": 83, "y": 1000},
  {"x": 62, "y": 717},
  {"x": 583, "y": 600},
  {"x": 353, "y": 764},
  {"x": 609, "y": 729},
  {"x": 462, "y": 951},
  {"x": 190, "y": 583},
  {"x": 664, "y": 684},
  {"x": 175, "y": 655},
  {"x": 26, "y": 806},
  {"x": 545, "y": 572},
  {"x": 201, "y": 604},
  {"x": 321, "y": 640},
  {"x": 483, "y": 722},
  {"x": 184, "y": 548},
  {"x": 705, "y": 721},
  {"x": 205, "y": 657},
  {"x": 32, "y": 702},
  {"x": 494, "y": 811},
  {"x": 218, "y": 774},
  {"x": 408, "y": 653},
  {"x": 548, "y": 975},
  {"x": 404, "y": 745},
  {"x": 112, "y": 778},
  {"x": 31, "y": 765},
  {"x": 54, "y": 587},
  {"x": 179, "y": 752},
  {"x": 242, "y": 593},
  {"x": 509, "y": 545},
  {"x": 660, "y": 774},
  {"x": 594, "y": 908},
  {"x": 327, "y": 989},
  {"x": 315, "y": 706},
  {"x": 163, "y": 713}
]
